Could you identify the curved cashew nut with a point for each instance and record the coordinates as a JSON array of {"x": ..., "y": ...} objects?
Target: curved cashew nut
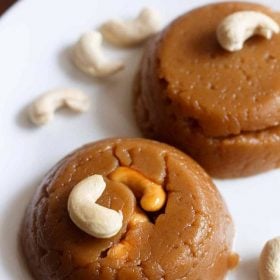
[
  {"x": 88, "y": 56},
  {"x": 153, "y": 195},
  {"x": 269, "y": 263},
  {"x": 236, "y": 28},
  {"x": 42, "y": 109},
  {"x": 132, "y": 32},
  {"x": 94, "y": 219}
]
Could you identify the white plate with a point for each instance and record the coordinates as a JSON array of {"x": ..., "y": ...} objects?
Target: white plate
[{"x": 34, "y": 57}]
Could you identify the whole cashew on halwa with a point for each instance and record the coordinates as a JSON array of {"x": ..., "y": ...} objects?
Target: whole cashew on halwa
[
  {"x": 269, "y": 263},
  {"x": 43, "y": 108},
  {"x": 89, "y": 58},
  {"x": 236, "y": 28},
  {"x": 103, "y": 222},
  {"x": 92, "y": 218},
  {"x": 132, "y": 32}
]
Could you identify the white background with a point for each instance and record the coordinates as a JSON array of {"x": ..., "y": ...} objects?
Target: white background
[{"x": 35, "y": 36}]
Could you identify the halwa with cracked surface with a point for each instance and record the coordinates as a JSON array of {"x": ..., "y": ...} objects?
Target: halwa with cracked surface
[
  {"x": 220, "y": 107},
  {"x": 190, "y": 237}
]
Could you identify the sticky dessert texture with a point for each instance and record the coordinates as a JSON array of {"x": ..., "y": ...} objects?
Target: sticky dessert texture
[
  {"x": 226, "y": 93},
  {"x": 191, "y": 237},
  {"x": 182, "y": 96}
]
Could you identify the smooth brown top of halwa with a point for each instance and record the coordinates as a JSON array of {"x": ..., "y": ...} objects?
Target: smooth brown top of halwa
[
  {"x": 189, "y": 239},
  {"x": 225, "y": 93}
]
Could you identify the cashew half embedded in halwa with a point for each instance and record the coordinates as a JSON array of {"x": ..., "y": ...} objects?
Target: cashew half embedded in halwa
[
  {"x": 132, "y": 32},
  {"x": 92, "y": 218},
  {"x": 152, "y": 195},
  {"x": 137, "y": 218},
  {"x": 121, "y": 250},
  {"x": 269, "y": 263},
  {"x": 236, "y": 28},
  {"x": 89, "y": 58},
  {"x": 43, "y": 108}
]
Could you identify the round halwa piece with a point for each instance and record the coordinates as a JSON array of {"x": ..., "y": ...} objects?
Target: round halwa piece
[
  {"x": 189, "y": 238},
  {"x": 222, "y": 108}
]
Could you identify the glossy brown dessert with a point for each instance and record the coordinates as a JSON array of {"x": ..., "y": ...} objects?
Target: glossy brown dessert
[
  {"x": 189, "y": 238},
  {"x": 220, "y": 107}
]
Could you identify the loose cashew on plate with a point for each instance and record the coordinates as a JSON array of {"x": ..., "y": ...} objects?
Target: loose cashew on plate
[
  {"x": 132, "y": 32},
  {"x": 92, "y": 218},
  {"x": 42, "y": 109},
  {"x": 269, "y": 263},
  {"x": 89, "y": 58},
  {"x": 236, "y": 28}
]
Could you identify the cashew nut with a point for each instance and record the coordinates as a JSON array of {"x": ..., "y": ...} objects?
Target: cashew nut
[
  {"x": 92, "y": 218},
  {"x": 269, "y": 263},
  {"x": 121, "y": 250},
  {"x": 132, "y": 32},
  {"x": 236, "y": 28},
  {"x": 42, "y": 109},
  {"x": 153, "y": 195},
  {"x": 137, "y": 217},
  {"x": 88, "y": 56}
]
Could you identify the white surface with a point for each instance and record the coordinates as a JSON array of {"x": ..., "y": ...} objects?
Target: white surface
[{"x": 35, "y": 37}]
